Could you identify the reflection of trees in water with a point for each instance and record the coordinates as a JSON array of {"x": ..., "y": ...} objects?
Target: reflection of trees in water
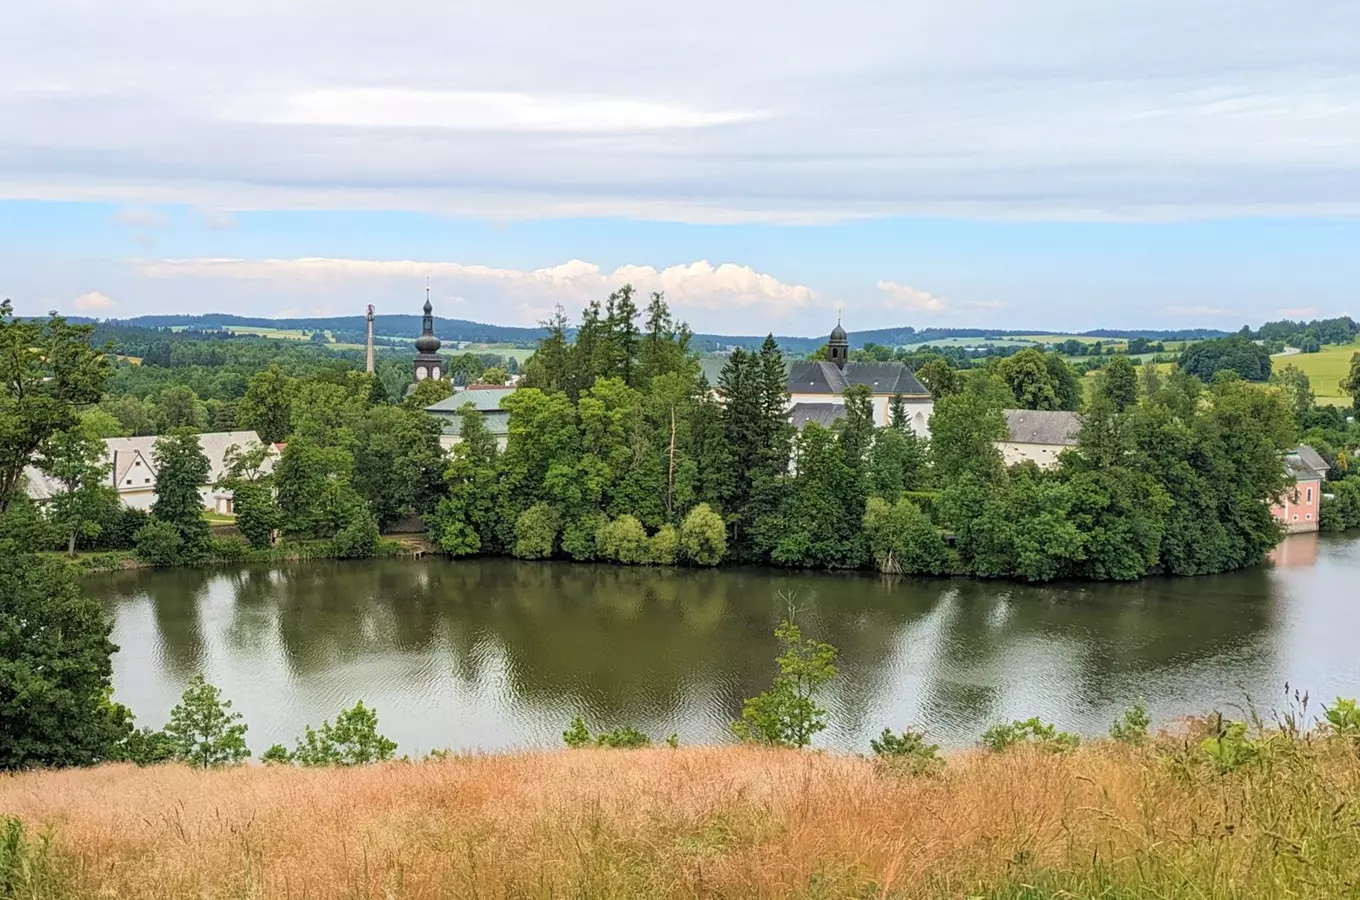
[
  {"x": 175, "y": 597},
  {"x": 634, "y": 644},
  {"x": 1104, "y": 635},
  {"x": 332, "y": 613}
]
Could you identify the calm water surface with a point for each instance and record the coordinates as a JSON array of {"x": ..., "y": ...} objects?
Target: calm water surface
[{"x": 497, "y": 654}]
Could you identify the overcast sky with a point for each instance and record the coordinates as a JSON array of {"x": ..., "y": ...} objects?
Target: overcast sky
[{"x": 1051, "y": 163}]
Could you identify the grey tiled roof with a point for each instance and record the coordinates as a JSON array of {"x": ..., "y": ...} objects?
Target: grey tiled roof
[
  {"x": 485, "y": 399},
  {"x": 1038, "y": 426},
  {"x": 807, "y": 377},
  {"x": 497, "y": 422},
  {"x": 1303, "y": 462},
  {"x": 824, "y": 414}
]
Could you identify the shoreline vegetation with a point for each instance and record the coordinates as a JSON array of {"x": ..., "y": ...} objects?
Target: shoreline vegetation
[
  {"x": 618, "y": 449},
  {"x": 1273, "y": 814}
]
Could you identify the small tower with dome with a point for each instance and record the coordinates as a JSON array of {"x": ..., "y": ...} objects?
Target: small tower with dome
[
  {"x": 428, "y": 363},
  {"x": 838, "y": 346}
]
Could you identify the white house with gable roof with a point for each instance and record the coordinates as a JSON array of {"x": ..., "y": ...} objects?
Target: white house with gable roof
[{"x": 132, "y": 469}]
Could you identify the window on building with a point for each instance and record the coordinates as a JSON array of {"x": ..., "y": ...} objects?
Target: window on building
[
  {"x": 1309, "y": 517},
  {"x": 1296, "y": 517},
  {"x": 1310, "y": 495}
]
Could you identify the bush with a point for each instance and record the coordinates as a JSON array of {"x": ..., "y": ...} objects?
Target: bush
[
  {"x": 578, "y": 537},
  {"x": 358, "y": 539},
  {"x": 159, "y": 544},
  {"x": 577, "y": 735},
  {"x": 1132, "y": 726},
  {"x": 703, "y": 537},
  {"x": 903, "y": 539},
  {"x": 625, "y": 737},
  {"x": 536, "y": 532},
  {"x": 229, "y": 549},
  {"x": 352, "y": 741},
  {"x": 145, "y": 747},
  {"x": 1343, "y": 717},
  {"x": 665, "y": 546},
  {"x": 907, "y": 753},
  {"x": 1230, "y": 748},
  {"x": 117, "y": 531},
  {"x": 623, "y": 540},
  {"x": 1341, "y": 512},
  {"x": 1000, "y": 738},
  {"x": 277, "y": 755}
]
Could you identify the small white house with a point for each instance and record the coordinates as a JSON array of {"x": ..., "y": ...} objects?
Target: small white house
[{"x": 132, "y": 469}]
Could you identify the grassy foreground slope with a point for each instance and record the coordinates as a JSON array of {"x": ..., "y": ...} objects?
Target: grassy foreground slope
[{"x": 730, "y": 822}]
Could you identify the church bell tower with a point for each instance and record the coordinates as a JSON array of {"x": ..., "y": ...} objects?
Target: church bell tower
[
  {"x": 838, "y": 346},
  {"x": 428, "y": 363}
]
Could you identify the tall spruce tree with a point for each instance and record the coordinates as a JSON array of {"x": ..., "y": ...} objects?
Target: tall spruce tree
[{"x": 181, "y": 471}]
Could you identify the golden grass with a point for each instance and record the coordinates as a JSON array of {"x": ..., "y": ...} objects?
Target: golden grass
[{"x": 730, "y": 822}]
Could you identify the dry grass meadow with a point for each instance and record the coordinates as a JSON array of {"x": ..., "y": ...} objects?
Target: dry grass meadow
[{"x": 724, "y": 822}]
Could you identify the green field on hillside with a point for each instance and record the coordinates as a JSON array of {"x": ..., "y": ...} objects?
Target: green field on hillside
[
  {"x": 972, "y": 342},
  {"x": 1324, "y": 370}
]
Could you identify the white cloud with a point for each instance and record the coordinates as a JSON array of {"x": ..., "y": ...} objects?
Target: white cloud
[
  {"x": 986, "y": 108},
  {"x": 474, "y": 111},
  {"x": 905, "y": 298},
  {"x": 1298, "y": 312},
  {"x": 910, "y": 299},
  {"x": 92, "y": 302},
  {"x": 1196, "y": 311},
  {"x": 739, "y": 292}
]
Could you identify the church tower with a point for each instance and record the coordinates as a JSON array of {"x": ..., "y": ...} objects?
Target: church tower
[
  {"x": 428, "y": 362},
  {"x": 838, "y": 346}
]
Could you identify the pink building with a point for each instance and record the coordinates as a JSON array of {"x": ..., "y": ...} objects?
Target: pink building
[{"x": 1298, "y": 507}]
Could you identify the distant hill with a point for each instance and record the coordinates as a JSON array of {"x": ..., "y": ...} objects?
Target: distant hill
[
  {"x": 407, "y": 326},
  {"x": 386, "y": 325}
]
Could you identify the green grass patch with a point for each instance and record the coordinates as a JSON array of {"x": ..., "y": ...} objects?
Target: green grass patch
[{"x": 1324, "y": 369}]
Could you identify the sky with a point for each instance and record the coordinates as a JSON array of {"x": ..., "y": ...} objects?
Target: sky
[{"x": 1052, "y": 164}]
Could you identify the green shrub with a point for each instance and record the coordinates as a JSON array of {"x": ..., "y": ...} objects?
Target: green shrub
[
  {"x": 625, "y": 737},
  {"x": 907, "y": 753},
  {"x": 352, "y": 741},
  {"x": 159, "y": 544},
  {"x": 1344, "y": 717},
  {"x": 536, "y": 532},
  {"x": 229, "y": 549},
  {"x": 1132, "y": 725},
  {"x": 358, "y": 539},
  {"x": 703, "y": 537},
  {"x": 623, "y": 540},
  {"x": 1230, "y": 748},
  {"x": 903, "y": 540},
  {"x": 578, "y": 537},
  {"x": 665, "y": 546},
  {"x": 1341, "y": 505},
  {"x": 277, "y": 755},
  {"x": 1000, "y": 738},
  {"x": 146, "y": 747}
]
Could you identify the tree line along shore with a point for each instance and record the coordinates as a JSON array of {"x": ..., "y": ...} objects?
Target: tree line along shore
[{"x": 618, "y": 449}]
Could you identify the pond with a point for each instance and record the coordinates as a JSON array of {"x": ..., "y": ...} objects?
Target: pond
[{"x": 498, "y": 654}]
